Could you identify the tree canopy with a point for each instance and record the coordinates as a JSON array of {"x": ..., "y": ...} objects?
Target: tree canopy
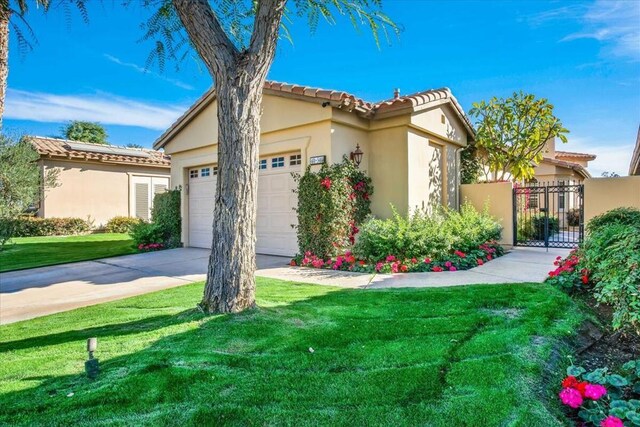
[
  {"x": 85, "y": 132},
  {"x": 511, "y": 134}
]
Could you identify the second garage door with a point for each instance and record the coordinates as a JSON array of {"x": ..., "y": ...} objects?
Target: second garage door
[{"x": 276, "y": 201}]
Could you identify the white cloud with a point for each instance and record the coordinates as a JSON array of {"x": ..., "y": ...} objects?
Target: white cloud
[
  {"x": 142, "y": 70},
  {"x": 616, "y": 24},
  {"x": 103, "y": 108},
  {"x": 612, "y": 157}
]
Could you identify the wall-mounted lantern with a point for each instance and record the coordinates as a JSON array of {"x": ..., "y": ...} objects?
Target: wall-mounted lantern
[{"x": 356, "y": 156}]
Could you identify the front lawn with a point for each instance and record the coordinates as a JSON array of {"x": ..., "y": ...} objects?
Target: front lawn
[
  {"x": 456, "y": 356},
  {"x": 30, "y": 252}
]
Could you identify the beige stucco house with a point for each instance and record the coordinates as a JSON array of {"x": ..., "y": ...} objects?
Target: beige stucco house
[
  {"x": 563, "y": 166},
  {"x": 98, "y": 182},
  {"x": 411, "y": 148}
]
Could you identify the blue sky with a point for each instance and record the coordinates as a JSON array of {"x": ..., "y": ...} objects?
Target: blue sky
[{"x": 583, "y": 56}]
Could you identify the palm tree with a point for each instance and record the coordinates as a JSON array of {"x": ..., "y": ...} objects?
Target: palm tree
[{"x": 12, "y": 17}]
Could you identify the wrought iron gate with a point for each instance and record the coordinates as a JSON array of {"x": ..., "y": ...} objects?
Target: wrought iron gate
[{"x": 548, "y": 214}]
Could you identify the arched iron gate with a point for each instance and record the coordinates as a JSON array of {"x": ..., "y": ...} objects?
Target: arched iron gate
[{"x": 548, "y": 214}]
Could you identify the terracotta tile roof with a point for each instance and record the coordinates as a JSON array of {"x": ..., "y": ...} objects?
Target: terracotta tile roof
[
  {"x": 574, "y": 155},
  {"x": 337, "y": 99},
  {"x": 76, "y": 150},
  {"x": 569, "y": 165}
]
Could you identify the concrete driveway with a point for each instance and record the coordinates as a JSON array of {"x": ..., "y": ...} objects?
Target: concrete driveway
[
  {"x": 39, "y": 291},
  {"x": 36, "y": 292}
]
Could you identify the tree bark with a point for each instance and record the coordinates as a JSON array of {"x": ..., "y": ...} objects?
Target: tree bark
[
  {"x": 4, "y": 58},
  {"x": 239, "y": 77}
]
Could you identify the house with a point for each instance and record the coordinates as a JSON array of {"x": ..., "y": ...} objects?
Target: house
[
  {"x": 98, "y": 182},
  {"x": 634, "y": 166},
  {"x": 410, "y": 146},
  {"x": 562, "y": 166}
]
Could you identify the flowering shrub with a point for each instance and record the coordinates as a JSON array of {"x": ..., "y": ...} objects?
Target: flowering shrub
[
  {"x": 421, "y": 234},
  {"x": 601, "y": 398},
  {"x": 150, "y": 247},
  {"x": 569, "y": 274},
  {"x": 457, "y": 260},
  {"x": 331, "y": 204},
  {"x": 145, "y": 234}
]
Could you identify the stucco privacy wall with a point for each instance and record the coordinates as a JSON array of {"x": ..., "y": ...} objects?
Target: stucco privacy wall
[
  {"x": 498, "y": 197},
  {"x": 92, "y": 190},
  {"x": 604, "y": 194}
]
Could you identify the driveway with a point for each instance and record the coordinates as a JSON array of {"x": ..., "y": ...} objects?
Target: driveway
[
  {"x": 39, "y": 291},
  {"x": 36, "y": 292}
]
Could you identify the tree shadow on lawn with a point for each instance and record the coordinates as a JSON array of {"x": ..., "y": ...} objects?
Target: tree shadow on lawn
[{"x": 400, "y": 357}]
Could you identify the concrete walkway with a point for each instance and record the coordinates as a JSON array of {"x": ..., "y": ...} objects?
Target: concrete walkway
[{"x": 37, "y": 292}]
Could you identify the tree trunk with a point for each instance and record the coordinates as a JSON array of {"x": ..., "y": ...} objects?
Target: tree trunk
[
  {"x": 239, "y": 77},
  {"x": 4, "y": 58},
  {"x": 230, "y": 283}
]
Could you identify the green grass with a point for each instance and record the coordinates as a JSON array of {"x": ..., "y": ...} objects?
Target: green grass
[
  {"x": 30, "y": 252},
  {"x": 454, "y": 356}
]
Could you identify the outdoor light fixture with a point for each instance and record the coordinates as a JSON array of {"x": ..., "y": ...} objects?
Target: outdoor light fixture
[
  {"x": 91, "y": 366},
  {"x": 356, "y": 156}
]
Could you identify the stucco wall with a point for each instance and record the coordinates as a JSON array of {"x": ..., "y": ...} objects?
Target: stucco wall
[
  {"x": 432, "y": 120},
  {"x": 98, "y": 191},
  {"x": 499, "y": 201},
  {"x": 604, "y": 194}
]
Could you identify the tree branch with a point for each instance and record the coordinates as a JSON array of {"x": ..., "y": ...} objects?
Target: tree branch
[
  {"x": 208, "y": 37},
  {"x": 262, "y": 47}
]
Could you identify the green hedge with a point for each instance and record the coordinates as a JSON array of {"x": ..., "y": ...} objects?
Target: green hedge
[
  {"x": 625, "y": 216},
  {"x": 532, "y": 228},
  {"x": 165, "y": 228},
  {"x": 30, "y": 226},
  {"x": 423, "y": 235}
]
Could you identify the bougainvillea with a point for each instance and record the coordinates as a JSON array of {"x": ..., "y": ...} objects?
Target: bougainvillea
[{"x": 331, "y": 204}]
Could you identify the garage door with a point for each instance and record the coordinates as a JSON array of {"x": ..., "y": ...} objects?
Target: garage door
[
  {"x": 202, "y": 188},
  {"x": 276, "y": 202}
]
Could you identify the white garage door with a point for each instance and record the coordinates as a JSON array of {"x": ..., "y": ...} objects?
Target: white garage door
[{"x": 276, "y": 201}]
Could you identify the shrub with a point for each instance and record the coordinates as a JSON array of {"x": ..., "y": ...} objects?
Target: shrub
[
  {"x": 120, "y": 224},
  {"x": 626, "y": 216},
  {"x": 331, "y": 204},
  {"x": 573, "y": 217},
  {"x": 612, "y": 255},
  {"x": 166, "y": 215},
  {"x": 30, "y": 226},
  {"x": 603, "y": 398},
  {"x": 532, "y": 228},
  {"x": 422, "y": 235},
  {"x": 146, "y": 233}
]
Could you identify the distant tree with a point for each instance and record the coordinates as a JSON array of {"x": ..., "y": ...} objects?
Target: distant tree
[
  {"x": 470, "y": 167},
  {"x": 85, "y": 132},
  {"x": 21, "y": 182},
  {"x": 13, "y": 16},
  {"x": 512, "y": 133},
  {"x": 607, "y": 174},
  {"x": 131, "y": 145}
]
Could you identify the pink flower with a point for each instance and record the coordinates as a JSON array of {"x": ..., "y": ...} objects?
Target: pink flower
[
  {"x": 427, "y": 260},
  {"x": 594, "y": 391},
  {"x": 379, "y": 266},
  {"x": 611, "y": 421},
  {"x": 447, "y": 264},
  {"x": 479, "y": 261},
  {"x": 394, "y": 267},
  {"x": 326, "y": 183},
  {"x": 391, "y": 258},
  {"x": 414, "y": 261},
  {"x": 452, "y": 268},
  {"x": 571, "y": 397},
  {"x": 437, "y": 269},
  {"x": 460, "y": 254},
  {"x": 404, "y": 268}
]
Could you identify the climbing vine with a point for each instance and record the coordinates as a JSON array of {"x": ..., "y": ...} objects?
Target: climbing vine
[{"x": 331, "y": 204}]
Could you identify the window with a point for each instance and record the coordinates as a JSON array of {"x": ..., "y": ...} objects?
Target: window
[
  {"x": 277, "y": 162},
  {"x": 205, "y": 172},
  {"x": 215, "y": 170},
  {"x": 296, "y": 159},
  {"x": 193, "y": 173},
  {"x": 262, "y": 164}
]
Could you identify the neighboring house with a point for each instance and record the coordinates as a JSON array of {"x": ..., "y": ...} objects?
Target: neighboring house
[
  {"x": 410, "y": 143},
  {"x": 98, "y": 182},
  {"x": 563, "y": 166},
  {"x": 634, "y": 166}
]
